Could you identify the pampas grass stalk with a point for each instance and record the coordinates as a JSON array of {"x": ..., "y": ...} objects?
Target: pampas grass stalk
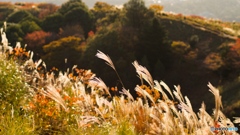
[{"x": 109, "y": 62}]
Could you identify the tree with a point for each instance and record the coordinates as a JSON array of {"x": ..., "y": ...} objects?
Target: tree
[
  {"x": 102, "y": 6},
  {"x": 156, "y": 8},
  {"x": 17, "y": 16},
  {"x": 81, "y": 17},
  {"x": 32, "y": 18},
  {"x": 53, "y": 22},
  {"x": 73, "y": 30},
  {"x": 71, "y": 4},
  {"x": 65, "y": 48},
  {"x": 154, "y": 43},
  {"x": 101, "y": 10},
  {"x": 137, "y": 14},
  {"x": 29, "y": 27},
  {"x": 36, "y": 40},
  {"x": 46, "y": 9},
  {"x": 14, "y": 34},
  {"x": 33, "y": 11}
]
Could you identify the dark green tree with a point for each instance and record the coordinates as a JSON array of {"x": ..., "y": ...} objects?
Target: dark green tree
[
  {"x": 136, "y": 14},
  {"x": 17, "y": 16},
  {"x": 80, "y": 16},
  {"x": 14, "y": 34},
  {"x": 154, "y": 43},
  {"x": 53, "y": 22},
  {"x": 71, "y": 4},
  {"x": 29, "y": 27}
]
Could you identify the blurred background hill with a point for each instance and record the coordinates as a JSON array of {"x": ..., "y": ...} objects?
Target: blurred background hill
[{"x": 226, "y": 10}]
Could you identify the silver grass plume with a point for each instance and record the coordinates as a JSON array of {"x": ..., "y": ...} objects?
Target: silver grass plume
[
  {"x": 218, "y": 102},
  {"x": 127, "y": 93},
  {"x": 51, "y": 92},
  {"x": 159, "y": 88},
  {"x": 167, "y": 88},
  {"x": 105, "y": 57},
  {"x": 188, "y": 108},
  {"x": 97, "y": 82},
  {"x": 142, "y": 71},
  {"x": 109, "y": 62},
  {"x": 178, "y": 88}
]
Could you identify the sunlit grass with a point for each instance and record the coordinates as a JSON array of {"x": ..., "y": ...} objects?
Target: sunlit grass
[{"x": 77, "y": 102}]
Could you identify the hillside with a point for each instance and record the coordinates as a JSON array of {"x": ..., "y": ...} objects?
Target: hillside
[{"x": 226, "y": 10}]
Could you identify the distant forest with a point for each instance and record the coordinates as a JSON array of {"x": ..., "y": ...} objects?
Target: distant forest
[{"x": 226, "y": 10}]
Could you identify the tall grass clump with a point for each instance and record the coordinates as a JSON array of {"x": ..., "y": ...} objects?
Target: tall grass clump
[
  {"x": 78, "y": 102},
  {"x": 14, "y": 90}
]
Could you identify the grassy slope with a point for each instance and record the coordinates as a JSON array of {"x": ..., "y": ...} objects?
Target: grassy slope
[{"x": 185, "y": 71}]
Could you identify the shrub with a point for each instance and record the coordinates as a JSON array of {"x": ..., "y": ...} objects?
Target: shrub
[{"x": 179, "y": 47}]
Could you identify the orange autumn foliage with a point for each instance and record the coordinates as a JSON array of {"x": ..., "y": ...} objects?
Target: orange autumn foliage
[{"x": 36, "y": 38}]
